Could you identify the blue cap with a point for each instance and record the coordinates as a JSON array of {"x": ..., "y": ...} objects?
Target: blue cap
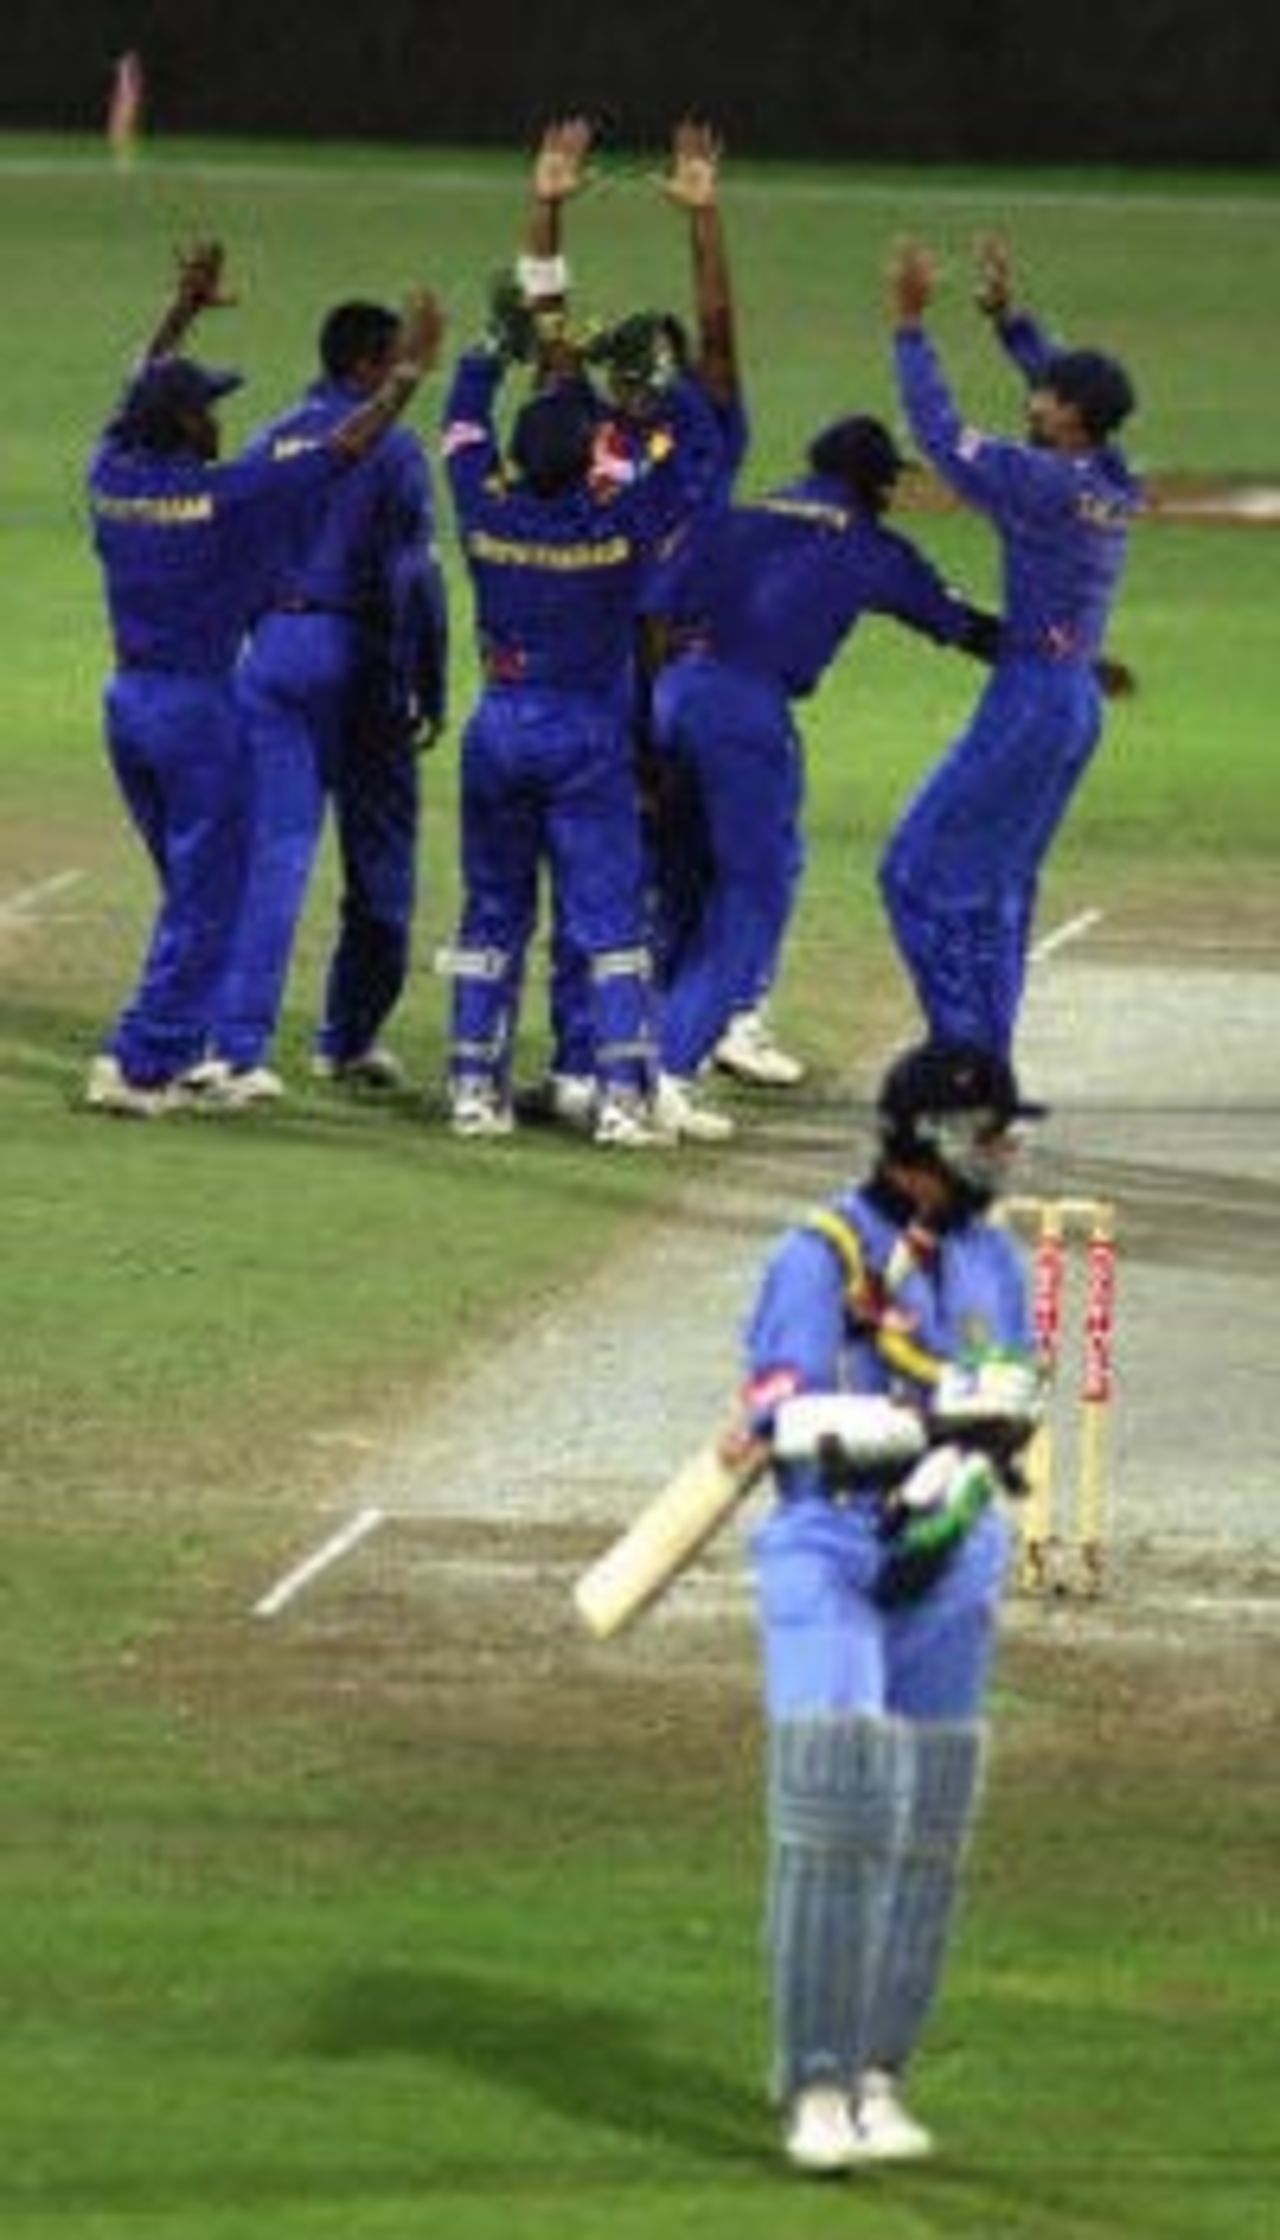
[{"x": 165, "y": 387}]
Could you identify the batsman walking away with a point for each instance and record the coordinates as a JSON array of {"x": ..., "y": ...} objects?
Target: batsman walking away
[
  {"x": 896, "y": 1378},
  {"x": 879, "y": 1573}
]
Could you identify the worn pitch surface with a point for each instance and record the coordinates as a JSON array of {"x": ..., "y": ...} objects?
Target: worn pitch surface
[{"x": 1165, "y": 1082}]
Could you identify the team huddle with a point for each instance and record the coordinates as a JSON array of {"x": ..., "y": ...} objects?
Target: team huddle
[{"x": 645, "y": 636}]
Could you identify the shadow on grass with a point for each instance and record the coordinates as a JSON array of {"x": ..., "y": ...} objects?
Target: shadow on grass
[{"x": 581, "y": 2059}]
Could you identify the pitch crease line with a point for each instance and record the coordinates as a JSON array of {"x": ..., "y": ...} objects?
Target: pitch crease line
[
  {"x": 330, "y": 1551},
  {"x": 15, "y": 909},
  {"x": 1073, "y": 929}
]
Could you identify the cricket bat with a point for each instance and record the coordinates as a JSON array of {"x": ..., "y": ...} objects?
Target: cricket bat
[{"x": 664, "y": 1539}]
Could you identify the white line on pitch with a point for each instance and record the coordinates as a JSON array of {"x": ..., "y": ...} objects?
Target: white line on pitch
[
  {"x": 338, "y": 1544},
  {"x": 29, "y": 900},
  {"x": 1074, "y": 929}
]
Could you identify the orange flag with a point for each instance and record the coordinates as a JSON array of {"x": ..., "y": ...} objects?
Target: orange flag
[{"x": 124, "y": 111}]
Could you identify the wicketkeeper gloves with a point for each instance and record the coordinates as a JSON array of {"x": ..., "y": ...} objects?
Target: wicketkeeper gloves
[{"x": 511, "y": 330}]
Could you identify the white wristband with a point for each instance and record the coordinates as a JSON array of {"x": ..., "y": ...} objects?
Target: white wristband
[{"x": 542, "y": 276}]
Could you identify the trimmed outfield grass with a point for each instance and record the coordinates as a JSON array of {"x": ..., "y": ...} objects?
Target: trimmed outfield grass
[
  {"x": 315, "y": 1936},
  {"x": 362, "y": 1932}
]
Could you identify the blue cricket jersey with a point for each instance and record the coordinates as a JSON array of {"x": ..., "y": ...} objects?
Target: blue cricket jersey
[
  {"x": 1062, "y": 520},
  {"x": 886, "y": 1325},
  {"x": 367, "y": 547},
  {"x": 557, "y": 579},
  {"x": 775, "y": 586},
  {"x": 190, "y": 548}
]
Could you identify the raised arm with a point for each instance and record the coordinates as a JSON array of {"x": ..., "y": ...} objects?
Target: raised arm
[
  {"x": 976, "y": 465},
  {"x": 692, "y": 184},
  {"x": 542, "y": 273},
  {"x": 559, "y": 173},
  {"x": 198, "y": 287},
  {"x": 1020, "y": 333}
]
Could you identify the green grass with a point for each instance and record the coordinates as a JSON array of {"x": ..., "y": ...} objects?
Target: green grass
[
  {"x": 356, "y": 1930},
  {"x": 316, "y": 1976}
]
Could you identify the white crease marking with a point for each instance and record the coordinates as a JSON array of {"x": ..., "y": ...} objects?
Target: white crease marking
[
  {"x": 1074, "y": 929},
  {"x": 18, "y": 909},
  {"x": 330, "y": 1551}
]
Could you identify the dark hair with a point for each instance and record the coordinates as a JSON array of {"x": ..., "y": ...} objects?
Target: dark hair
[
  {"x": 552, "y": 438},
  {"x": 1095, "y": 384},
  {"x": 353, "y": 332},
  {"x": 861, "y": 453}
]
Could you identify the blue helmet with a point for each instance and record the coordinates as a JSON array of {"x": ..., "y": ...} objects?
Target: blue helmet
[{"x": 942, "y": 1104}]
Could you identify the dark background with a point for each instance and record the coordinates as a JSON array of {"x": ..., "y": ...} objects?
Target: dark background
[{"x": 1168, "y": 82}]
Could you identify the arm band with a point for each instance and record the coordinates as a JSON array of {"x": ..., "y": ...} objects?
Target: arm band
[{"x": 542, "y": 276}]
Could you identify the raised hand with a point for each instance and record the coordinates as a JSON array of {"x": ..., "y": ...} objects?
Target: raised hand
[
  {"x": 993, "y": 269},
  {"x": 560, "y": 165},
  {"x": 693, "y": 177},
  {"x": 201, "y": 269},
  {"x": 912, "y": 275}
]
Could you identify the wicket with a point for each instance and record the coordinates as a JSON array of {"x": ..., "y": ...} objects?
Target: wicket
[{"x": 1064, "y": 1548}]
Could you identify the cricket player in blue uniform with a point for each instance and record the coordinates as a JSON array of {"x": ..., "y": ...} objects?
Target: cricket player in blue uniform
[
  {"x": 764, "y": 596},
  {"x": 556, "y": 567},
  {"x": 188, "y": 549},
  {"x": 633, "y": 364},
  {"x": 960, "y": 875},
  {"x": 879, "y": 1584},
  {"x": 342, "y": 681},
  {"x": 641, "y": 357}
]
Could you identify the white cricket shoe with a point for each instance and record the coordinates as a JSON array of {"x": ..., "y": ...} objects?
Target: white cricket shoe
[
  {"x": 477, "y": 1111},
  {"x": 821, "y": 2136},
  {"x": 255, "y": 1085},
  {"x": 108, "y": 1089},
  {"x": 748, "y": 1051},
  {"x": 209, "y": 1087},
  {"x": 678, "y": 1113},
  {"x": 885, "y": 2130},
  {"x": 375, "y": 1068},
  {"x": 572, "y": 1099},
  {"x": 626, "y": 1124},
  {"x": 215, "y": 1081}
]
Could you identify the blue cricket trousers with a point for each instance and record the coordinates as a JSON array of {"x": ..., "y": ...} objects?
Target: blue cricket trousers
[
  {"x": 179, "y": 757},
  {"x": 733, "y": 737},
  {"x": 317, "y": 717},
  {"x": 830, "y": 1647},
  {"x": 548, "y": 779},
  {"x": 961, "y": 873}
]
